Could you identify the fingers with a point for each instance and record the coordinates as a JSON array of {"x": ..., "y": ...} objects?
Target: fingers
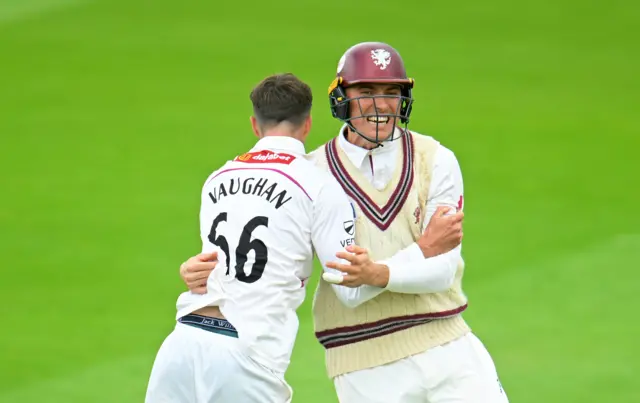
[
  {"x": 200, "y": 262},
  {"x": 340, "y": 266},
  {"x": 456, "y": 226},
  {"x": 345, "y": 281},
  {"x": 201, "y": 289},
  {"x": 351, "y": 281},
  {"x": 355, "y": 261},
  {"x": 200, "y": 266},
  {"x": 332, "y": 278},
  {"x": 356, "y": 249},
  {"x": 197, "y": 285},
  {"x": 207, "y": 257},
  {"x": 441, "y": 211},
  {"x": 201, "y": 257},
  {"x": 357, "y": 255},
  {"x": 196, "y": 280},
  {"x": 439, "y": 218},
  {"x": 340, "y": 279},
  {"x": 457, "y": 217},
  {"x": 197, "y": 277},
  {"x": 348, "y": 257},
  {"x": 344, "y": 268}
]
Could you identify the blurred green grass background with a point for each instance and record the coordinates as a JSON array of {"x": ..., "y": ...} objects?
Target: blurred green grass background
[{"x": 113, "y": 112}]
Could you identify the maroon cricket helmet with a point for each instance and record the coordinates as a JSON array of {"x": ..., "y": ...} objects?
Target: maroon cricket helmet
[{"x": 370, "y": 63}]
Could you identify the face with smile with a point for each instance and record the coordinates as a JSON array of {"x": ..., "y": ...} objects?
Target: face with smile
[{"x": 374, "y": 118}]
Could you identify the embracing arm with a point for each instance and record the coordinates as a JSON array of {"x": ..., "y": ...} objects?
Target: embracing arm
[
  {"x": 333, "y": 230},
  {"x": 429, "y": 264}
]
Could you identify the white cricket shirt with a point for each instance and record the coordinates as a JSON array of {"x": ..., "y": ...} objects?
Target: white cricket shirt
[{"x": 266, "y": 212}]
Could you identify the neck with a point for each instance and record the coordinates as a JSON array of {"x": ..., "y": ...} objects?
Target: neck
[
  {"x": 357, "y": 140},
  {"x": 279, "y": 133}
]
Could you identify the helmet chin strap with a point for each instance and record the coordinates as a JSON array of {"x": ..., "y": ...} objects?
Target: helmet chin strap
[
  {"x": 351, "y": 128},
  {"x": 377, "y": 144}
]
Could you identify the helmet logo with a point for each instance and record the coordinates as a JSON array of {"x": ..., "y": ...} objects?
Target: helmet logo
[{"x": 381, "y": 58}]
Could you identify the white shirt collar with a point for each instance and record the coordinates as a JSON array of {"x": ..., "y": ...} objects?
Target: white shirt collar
[
  {"x": 358, "y": 154},
  {"x": 281, "y": 143}
]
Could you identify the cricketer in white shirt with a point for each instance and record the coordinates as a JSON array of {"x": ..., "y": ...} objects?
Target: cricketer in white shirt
[{"x": 266, "y": 212}]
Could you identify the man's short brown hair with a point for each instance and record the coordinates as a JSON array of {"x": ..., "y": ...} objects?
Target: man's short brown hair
[{"x": 281, "y": 98}]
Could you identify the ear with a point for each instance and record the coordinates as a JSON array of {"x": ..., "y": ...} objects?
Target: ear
[
  {"x": 308, "y": 123},
  {"x": 307, "y": 127},
  {"x": 255, "y": 127}
]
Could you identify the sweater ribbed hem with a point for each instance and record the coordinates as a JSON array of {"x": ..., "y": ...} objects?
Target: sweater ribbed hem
[{"x": 395, "y": 346}]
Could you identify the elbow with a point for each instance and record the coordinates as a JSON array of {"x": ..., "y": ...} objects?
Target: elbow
[
  {"x": 447, "y": 276},
  {"x": 447, "y": 280},
  {"x": 350, "y": 300}
]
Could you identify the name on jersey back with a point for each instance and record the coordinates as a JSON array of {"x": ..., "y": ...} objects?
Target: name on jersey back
[{"x": 260, "y": 187}]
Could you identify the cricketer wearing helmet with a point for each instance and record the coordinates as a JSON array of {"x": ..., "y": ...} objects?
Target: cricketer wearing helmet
[
  {"x": 405, "y": 340},
  {"x": 408, "y": 343}
]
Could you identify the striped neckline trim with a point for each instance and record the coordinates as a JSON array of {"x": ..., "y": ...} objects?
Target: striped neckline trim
[{"x": 383, "y": 216}]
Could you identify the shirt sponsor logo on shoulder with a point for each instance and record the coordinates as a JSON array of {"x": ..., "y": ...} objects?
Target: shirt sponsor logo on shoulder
[{"x": 261, "y": 157}]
